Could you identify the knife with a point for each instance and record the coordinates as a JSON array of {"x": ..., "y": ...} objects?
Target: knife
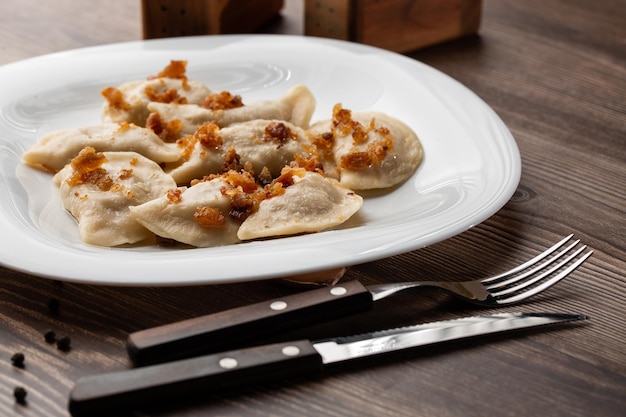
[{"x": 188, "y": 378}]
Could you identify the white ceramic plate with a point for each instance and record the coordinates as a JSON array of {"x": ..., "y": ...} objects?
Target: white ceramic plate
[{"x": 471, "y": 167}]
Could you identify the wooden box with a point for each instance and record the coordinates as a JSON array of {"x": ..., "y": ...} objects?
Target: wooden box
[
  {"x": 167, "y": 18},
  {"x": 397, "y": 25}
]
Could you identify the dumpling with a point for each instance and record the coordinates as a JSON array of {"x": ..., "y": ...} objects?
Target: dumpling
[
  {"x": 367, "y": 150},
  {"x": 197, "y": 215},
  {"x": 296, "y": 107},
  {"x": 259, "y": 143},
  {"x": 56, "y": 149},
  {"x": 311, "y": 204},
  {"x": 231, "y": 207},
  {"x": 98, "y": 188},
  {"x": 129, "y": 101}
]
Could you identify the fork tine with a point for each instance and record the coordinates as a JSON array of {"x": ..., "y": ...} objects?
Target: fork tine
[
  {"x": 534, "y": 271},
  {"x": 530, "y": 262},
  {"x": 538, "y": 277},
  {"x": 547, "y": 284}
]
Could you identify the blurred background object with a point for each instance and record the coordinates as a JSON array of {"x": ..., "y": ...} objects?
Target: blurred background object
[
  {"x": 397, "y": 25},
  {"x": 167, "y": 18}
]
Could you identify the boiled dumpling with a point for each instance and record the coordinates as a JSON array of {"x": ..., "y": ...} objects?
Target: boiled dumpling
[
  {"x": 98, "y": 188},
  {"x": 295, "y": 107},
  {"x": 197, "y": 215},
  {"x": 259, "y": 143},
  {"x": 367, "y": 150},
  {"x": 129, "y": 101},
  {"x": 311, "y": 204},
  {"x": 56, "y": 149}
]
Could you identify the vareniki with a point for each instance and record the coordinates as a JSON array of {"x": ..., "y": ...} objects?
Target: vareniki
[
  {"x": 172, "y": 160},
  {"x": 98, "y": 188}
]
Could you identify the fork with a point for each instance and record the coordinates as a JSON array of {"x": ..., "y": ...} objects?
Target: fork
[
  {"x": 512, "y": 286},
  {"x": 244, "y": 325}
]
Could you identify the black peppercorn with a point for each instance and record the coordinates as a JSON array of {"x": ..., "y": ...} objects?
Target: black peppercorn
[
  {"x": 18, "y": 360},
  {"x": 63, "y": 343},
  {"x": 50, "y": 336},
  {"x": 20, "y": 394}
]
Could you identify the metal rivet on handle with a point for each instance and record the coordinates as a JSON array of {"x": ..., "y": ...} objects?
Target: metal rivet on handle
[
  {"x": 278, "y": 305},
  {"x": 291, "y": 351},
  {"x": 228, "y": 363},
  {"x": 338, "y": 291}
]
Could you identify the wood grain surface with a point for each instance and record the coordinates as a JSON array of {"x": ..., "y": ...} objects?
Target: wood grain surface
[{"x": 555, "y": 72}]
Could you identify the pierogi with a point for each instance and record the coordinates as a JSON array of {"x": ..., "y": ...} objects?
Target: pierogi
[
  {"x": 210, "y": 212},
  {"x": 57, "y": 149},
  {"x": 98, "y": 188},
  {"x": 197, "y": 215},
  {"x": 258, "y": 143},
  {"x": 296, "y": 107},
  {"x": 311, "y": 204},
  {"x": 367, "y": 150},
  {"x": 129, "y": 101},
  {"x": 174, "y": 160}
]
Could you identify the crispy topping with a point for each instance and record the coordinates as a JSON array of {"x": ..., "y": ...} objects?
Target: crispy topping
[
  {"x": 123, "y": 126},
  {"x": 232, "y": 161},
  {"x": 208, "y": 135},
  {"x": 175, "y": 69},
  {"x": 209, "y": 217},
  {"x": 373, "y": 155},
  {"x": 203, "y": 179},
  {"x": 165, "y": 96},
  {"x": 342, "y": 120},
  {"x": 265, "y": 177},
  {"x": 359, "y": 134},
  {"x": 324, "y": 142},
  {"x": 243, "y": 180},
  {"x": 244, "y": 193},
  {"x": 88, "y": 159},
  {"x": 274, "y": 189},
  {"x": 222, "y": 101},
  {"x": 125, "y": 174},
  {"x": 88, "y": 169},
  {"x": 287, "y": 174},
  {"x": 115, "y": 98},
  {"x": 187, "y": 143},
  {"x": 312, "y": 163},
  {"x": 278, "y": 133},
  {"x": 357, "y": 159},
  {"x": 169, "y": 132},
  {"x": 175, "y": 196},
  {"x": 243, "y": 205}
]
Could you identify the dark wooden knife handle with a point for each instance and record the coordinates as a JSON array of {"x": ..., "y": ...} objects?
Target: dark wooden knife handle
[
  {"x": 246, "y": 325},
  {"x": 191, "y": 379}
]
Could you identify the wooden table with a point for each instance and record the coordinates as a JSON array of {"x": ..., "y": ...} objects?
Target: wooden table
[{"x": 556, "y": 74}]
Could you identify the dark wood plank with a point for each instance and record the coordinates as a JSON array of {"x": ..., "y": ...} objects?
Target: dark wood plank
[{"x": 555, "y": 72}]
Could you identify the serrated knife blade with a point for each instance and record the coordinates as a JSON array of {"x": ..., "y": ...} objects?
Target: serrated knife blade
[{"x": 354, "y": 347}]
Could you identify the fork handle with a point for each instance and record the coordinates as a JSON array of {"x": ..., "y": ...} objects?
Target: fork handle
[{"x": 244, "y": 325}]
